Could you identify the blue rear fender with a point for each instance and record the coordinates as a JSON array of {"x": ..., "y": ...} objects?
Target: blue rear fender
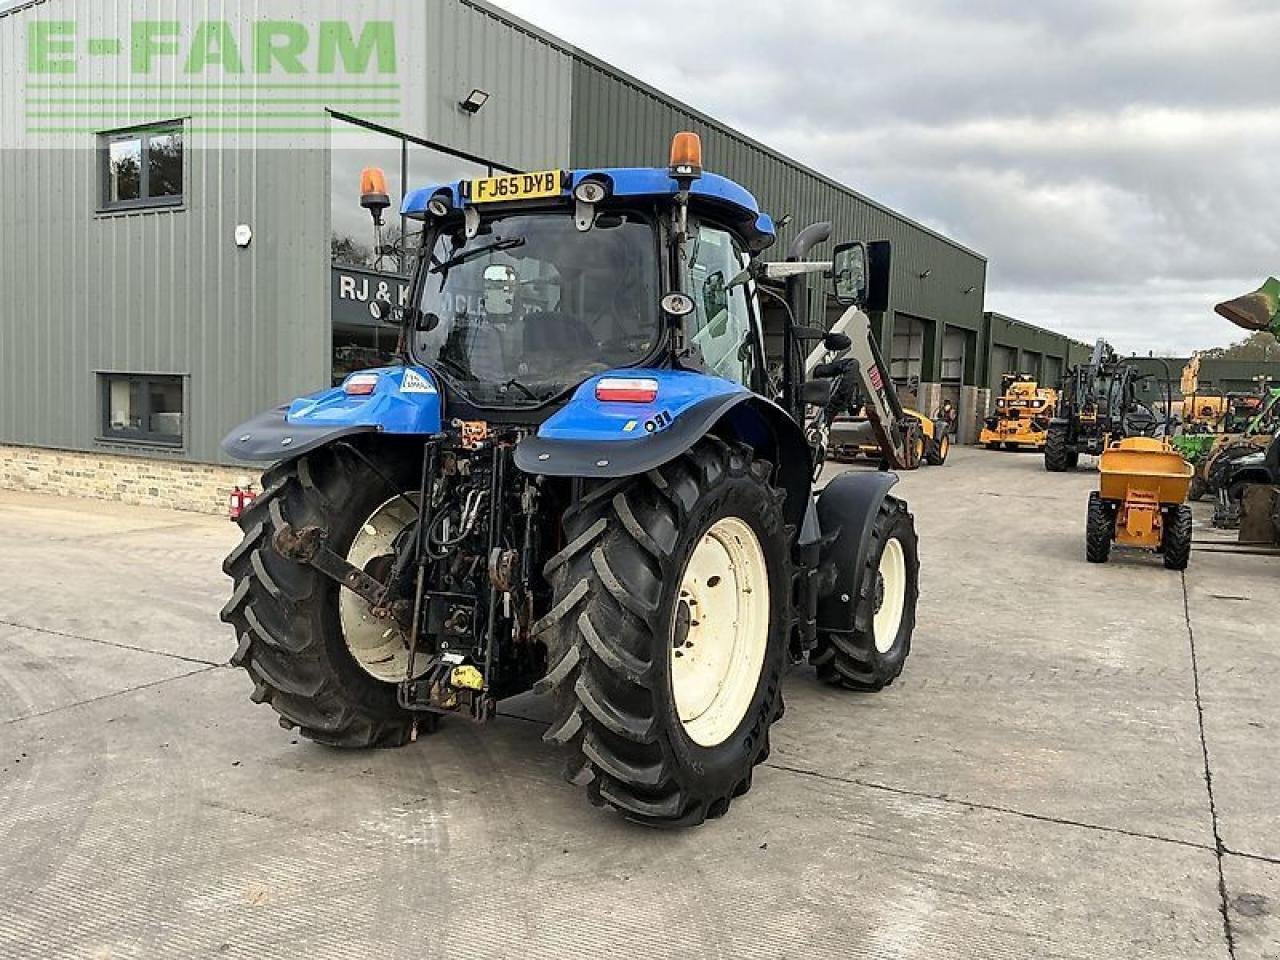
[
  {"x": 402, "y": 401},
  {"x": 593, "y": 438}
]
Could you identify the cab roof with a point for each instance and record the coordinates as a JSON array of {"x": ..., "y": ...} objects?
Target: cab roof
[{"x": 710, "y": 191}]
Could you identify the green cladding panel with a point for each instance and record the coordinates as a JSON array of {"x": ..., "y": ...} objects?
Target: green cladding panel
[{"x": 616, "y": 120}]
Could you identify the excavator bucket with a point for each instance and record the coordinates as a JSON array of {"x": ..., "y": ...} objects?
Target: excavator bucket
[{"x": 1259, "y": 310}]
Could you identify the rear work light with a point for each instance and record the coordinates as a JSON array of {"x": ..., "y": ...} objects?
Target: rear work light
[
  {"x": 627, "y": 390},
  {"x": 360, "y": 384}
]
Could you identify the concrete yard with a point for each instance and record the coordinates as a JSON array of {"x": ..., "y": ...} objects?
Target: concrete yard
[{"x": 1033, "y": 786}]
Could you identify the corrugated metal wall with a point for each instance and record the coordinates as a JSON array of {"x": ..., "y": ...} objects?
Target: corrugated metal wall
[
  {"x": 152, "y": 292},
  {"x": 619, "y": 121},
  {"x": 526, "y": 123},
  {"x": 169, "y": 292},
  {"x": 159, "y": 292},
  {"x": 1015, "y": 347}
]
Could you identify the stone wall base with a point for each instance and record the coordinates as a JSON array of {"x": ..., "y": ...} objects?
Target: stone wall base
[{"x": 173, "y": 484}]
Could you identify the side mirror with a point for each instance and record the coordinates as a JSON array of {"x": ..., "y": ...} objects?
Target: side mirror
[{"x": 849, "y": 274}]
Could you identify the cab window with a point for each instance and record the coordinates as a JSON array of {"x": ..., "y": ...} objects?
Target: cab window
[{"x": 721, "y": 321}]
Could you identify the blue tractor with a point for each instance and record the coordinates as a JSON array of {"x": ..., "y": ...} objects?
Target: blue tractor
[{"x": 582, "y": 478}]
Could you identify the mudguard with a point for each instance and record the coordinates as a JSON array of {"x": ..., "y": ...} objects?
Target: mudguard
[
  {"x": 404, "y": 400},
  {"x": 591, "y": 438},
  {"x": 847, "y": 508}
]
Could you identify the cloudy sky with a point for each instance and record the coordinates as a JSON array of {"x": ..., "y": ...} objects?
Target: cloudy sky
[{"x": 1117, "y": 161}]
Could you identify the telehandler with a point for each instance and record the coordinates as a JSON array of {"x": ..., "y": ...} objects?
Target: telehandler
[
  {"x": 1097, "y": 405},
  {"x": 1022, "y": 414}
]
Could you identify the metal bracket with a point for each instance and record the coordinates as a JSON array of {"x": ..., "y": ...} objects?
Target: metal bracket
[
  {"x": 310, "y": 546},
  {"x": 584, "y": 215}
]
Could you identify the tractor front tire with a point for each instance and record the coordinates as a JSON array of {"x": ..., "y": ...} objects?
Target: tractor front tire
[
  {"x": 285, "y": 614},
  {"x": 1057, "y": 457},
  {"x": 1175, "y": 539},
  {"x": 695, "y": 552},
  {"x": 1099, "y": 529},
  {"x": 871, "y": 655}
]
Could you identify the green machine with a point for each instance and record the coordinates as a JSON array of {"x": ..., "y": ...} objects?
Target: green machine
[{"x": 1259, "y": 310}]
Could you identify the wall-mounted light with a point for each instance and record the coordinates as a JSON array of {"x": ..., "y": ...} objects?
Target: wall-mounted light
[
  {"x": 926, "y": 275},
  {"x": 476, "y": 99},
  {"x": 969, "y": 290}
]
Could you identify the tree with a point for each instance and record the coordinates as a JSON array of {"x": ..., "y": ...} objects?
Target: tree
[{"x": 1259, "y": 345}]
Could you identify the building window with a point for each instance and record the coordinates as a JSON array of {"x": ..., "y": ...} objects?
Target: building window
[
  {"x": 146, "y": 409},
  {"x": 142, "y": 167}
]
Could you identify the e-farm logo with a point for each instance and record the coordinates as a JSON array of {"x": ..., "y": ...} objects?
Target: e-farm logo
[{"x": 262, "y": 76}]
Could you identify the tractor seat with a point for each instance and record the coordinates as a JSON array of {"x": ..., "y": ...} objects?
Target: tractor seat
[{"x": 552, "y": 338}]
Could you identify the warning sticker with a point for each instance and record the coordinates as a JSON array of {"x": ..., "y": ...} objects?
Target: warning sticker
[{"x": 414, "y": 382}]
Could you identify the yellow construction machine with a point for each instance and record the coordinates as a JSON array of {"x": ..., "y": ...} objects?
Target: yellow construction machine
[
  {"x": 1141, "y": 500},
  {"x": 1202, "y": 412},
  {"x": 1022, "y": 414},
  {"x": 850, "y": 439}
]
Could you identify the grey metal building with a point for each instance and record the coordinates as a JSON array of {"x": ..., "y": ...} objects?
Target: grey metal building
[{"x": 173, "y": 260}]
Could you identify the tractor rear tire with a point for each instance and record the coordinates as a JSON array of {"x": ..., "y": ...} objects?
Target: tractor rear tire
[
  {"x": 938, "y": 450},
  {"x": 1099, "y": 529},
  {"x": 872, "y": 655},
  {"x": 625, "y": 605},
  {"x": 1057, "y": 456},
  {"x": 285, "y": 613},
  {"x": 1175, "y": 540}
]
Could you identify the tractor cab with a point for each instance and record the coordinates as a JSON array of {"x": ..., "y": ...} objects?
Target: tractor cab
[{"x": 530, "y": 284}]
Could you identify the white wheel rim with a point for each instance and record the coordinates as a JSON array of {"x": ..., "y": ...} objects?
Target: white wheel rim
[
  {"x": 720, "y": 632},
  {"x": 891, "y": 596},
  {"x": 378, "y": 646}
]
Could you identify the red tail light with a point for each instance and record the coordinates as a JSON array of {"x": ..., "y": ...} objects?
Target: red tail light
[
  {"x": 627, "y": 390},
  {"x": 360, "y": 384}
]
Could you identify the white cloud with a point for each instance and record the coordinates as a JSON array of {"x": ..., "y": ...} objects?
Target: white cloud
[{"x": 1114, "y": 159}]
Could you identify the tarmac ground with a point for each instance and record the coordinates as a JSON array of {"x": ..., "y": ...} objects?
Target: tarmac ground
[{"x": 1079, "y": 761}]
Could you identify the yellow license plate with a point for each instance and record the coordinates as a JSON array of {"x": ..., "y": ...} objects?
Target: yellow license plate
[{"x": 516, "y": 186}]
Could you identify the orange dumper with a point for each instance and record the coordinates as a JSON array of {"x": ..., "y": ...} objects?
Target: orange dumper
[{"x": 1141, "y": 502}]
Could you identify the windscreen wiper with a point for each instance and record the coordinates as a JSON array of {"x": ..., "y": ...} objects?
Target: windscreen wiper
[
  {"x": 521, "y": 387},
  {"x": 503, "y": 244}
]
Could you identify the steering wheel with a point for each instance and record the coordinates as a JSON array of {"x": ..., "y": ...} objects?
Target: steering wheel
[{"x": 1140, "y": 422}]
